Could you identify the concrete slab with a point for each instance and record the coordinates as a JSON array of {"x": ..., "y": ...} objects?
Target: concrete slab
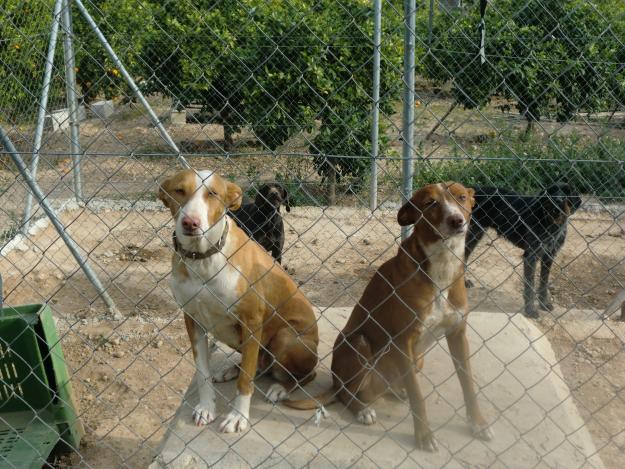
[
  {"x": 534, "y": 419},
  {"x": 59, "y": 119},
  {"x": 102, "y": 109}
]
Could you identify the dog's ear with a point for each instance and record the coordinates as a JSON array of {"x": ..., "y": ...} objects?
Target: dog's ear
[
  {"x": 163, "y": 193},
  {"x": 567, "y": 207},
  {"x": 471, "y": 194},
  {"x": 234, "y": 196},
  {"x": 573, "y": 198},
  {"x": 285, "y": 199},
  {"x": 575, "y": 201},
  {"x": 261, "y": 195},
  {"x": 408, "y": 213}
]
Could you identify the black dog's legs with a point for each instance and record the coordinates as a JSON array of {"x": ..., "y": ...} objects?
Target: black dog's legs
[
  {"x": 276, "y": 250},
  {"x": 277, "y": 255},
  {"x": 529, "y": 272},
  {"x": 473, "y": 237},
  {"x": 543, "y": 290}
]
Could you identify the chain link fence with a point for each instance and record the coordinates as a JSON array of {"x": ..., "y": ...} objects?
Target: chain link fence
[{"x": 348, "y": 106}]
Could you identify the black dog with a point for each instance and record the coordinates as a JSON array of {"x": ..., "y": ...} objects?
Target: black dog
[
  {"x": 262, "y": 221},
  {"x": 536, "y": 224}
]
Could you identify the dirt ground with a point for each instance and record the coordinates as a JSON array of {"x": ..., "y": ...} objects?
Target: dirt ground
[{"x": 130, "y": 373}]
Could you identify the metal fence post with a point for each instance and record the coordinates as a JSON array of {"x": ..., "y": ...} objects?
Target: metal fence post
[
  {"x": 131, "y": 83},
  {"x": 72, "y": 101},
  {"x": 377, "y": 39},
  {"x": 58, "y": 225},
  {"x": 43, "y": 106},
  {"x": 408, "y": 112}
]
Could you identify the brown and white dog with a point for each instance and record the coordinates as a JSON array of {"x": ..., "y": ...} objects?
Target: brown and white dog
[
  {"x": 230, "y": 288},
  {"x": 413, "y": 300}
]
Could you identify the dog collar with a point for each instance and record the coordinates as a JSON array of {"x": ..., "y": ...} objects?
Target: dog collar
[{"x": 202, "y": 255}]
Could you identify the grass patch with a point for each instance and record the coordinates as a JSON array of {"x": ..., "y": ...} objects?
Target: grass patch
[
  {"x": 303, "y": 192},
  {"x": 12, "y": 229},
  {"x": 530, "y": 165}
]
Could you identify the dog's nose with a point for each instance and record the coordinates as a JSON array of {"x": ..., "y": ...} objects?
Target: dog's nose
[
  {"x": 190, "y": 223},
  {"x": 455, "y": 221}
]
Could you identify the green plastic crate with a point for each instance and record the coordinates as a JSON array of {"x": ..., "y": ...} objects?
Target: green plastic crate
[{"x": 37, "y": 411}]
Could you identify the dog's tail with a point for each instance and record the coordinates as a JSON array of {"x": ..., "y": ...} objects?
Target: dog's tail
[{"x": 323, "y": 399}]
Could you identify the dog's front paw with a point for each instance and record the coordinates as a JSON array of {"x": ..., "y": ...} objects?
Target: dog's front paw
[
  {"x": 481, "y": 431},
  {"x": 238, "y": 418},
  {"x": 531, "y": 312},
  {"x": 366, "y": 416},
  {"x": 234, "y": 422},
  {"x": 227, "y": 373},
  {"x": 425, "y": 440},
  {"x": 546, "y": 304},
  {"x": 276, "y": 393},
  {"x": 203, "y": 414}
]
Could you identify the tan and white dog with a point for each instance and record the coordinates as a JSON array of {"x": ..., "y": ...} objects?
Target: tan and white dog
[
  {"x": 413, "y": 299},
  {"x": 231, "y": 289}
]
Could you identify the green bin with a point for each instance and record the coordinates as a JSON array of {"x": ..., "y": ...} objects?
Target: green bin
[{"x": 37, "y": 411}]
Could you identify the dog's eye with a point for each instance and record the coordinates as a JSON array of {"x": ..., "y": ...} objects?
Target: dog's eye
[
  {"x": 210, "y": 193},
  {"x": 179, "y": 191},
  {"x": 462, "y": 198},
  {"x": 430, "y": 203}
]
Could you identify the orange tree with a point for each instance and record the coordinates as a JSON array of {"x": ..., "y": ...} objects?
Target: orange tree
[
  {"x": 553, "y": 57},
  {"x": 277, "y": 69},
  {"x": 24, "y": 32}
]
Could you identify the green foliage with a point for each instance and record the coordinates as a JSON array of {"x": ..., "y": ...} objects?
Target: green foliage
[
  {"x": 554, "y": 57},
  {"x": 24, "y": 37},
  {"x": 127, "y": 25},
  {"x": 613, "y": 12},
  {"x": 528, "y": 166},
  {"x": 277, "y": 68},
  {"x": 346, "y": 112},
  {"x": 302, "y": 191},
  {"x": 24, "y": 31}
]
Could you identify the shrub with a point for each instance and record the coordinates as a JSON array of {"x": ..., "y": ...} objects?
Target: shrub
[{"x": 596, "y": 168}]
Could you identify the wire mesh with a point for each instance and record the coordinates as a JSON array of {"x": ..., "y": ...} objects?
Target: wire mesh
[{"x": 281, "y": 95}]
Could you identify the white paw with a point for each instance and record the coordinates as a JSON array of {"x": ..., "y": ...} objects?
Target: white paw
[
  {"x": 203, "y": 414},
  {"x": 234, "y": 422},
  {"x": 366, "y": 416},
  {"x": 276, "y": 393},
  {"x": 482, "y": 432},
  {"x": 226, "y": 374}
]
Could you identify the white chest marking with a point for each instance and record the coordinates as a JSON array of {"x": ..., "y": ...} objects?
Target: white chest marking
[
  {"x": 210, "y": 295},
  {"x": 445, "y": 258}
]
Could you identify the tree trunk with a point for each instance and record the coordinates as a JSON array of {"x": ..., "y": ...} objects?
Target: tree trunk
[
  {"x": 332, "y": 185},
  {"x": 228, "y": 138},
  {"x": 530, "y": 127},
  {"x": 438, "y": 124},
  {"x": 224, "y": 117}
]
